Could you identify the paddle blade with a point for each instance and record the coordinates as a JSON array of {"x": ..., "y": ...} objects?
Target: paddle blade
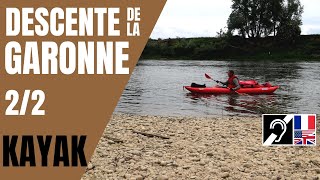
[{"x": 207, "y": 76}]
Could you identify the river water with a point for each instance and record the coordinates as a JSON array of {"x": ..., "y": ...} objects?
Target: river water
[{"x": 156, "y": 88}]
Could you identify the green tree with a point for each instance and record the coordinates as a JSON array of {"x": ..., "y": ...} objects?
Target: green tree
[
  {"x": 238, "y": 19},
  {"x": 275, "y": 8},
  {"x": 250, "y": 18},
  {"x": 290, "y": 21},
  {"x": 260, "y": 18}
]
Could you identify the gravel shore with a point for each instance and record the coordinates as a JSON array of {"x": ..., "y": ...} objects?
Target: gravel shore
[{"x": 195, "y": 148}]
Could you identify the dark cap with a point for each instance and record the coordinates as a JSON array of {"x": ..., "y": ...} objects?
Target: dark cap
[{"x": 231, "y": 71}]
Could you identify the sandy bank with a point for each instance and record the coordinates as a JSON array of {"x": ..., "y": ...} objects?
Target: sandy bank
[{"x": 197, "y": 148}]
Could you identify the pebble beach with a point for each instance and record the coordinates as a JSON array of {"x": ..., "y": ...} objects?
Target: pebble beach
[{"x": 163, "y": 148}]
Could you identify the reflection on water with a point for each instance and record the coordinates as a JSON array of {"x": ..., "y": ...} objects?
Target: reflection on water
[{"x": 155, "y": 88}]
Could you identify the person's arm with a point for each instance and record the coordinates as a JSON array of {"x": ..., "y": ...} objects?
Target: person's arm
[
  {"x": 223, "y": 83},
  {"x": 236, "y": 82}
]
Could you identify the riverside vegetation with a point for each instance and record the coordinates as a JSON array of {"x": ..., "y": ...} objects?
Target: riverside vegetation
[{"x": 305, "y": 47}]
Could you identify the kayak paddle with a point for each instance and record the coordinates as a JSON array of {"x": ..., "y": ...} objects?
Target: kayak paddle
[{"x": 209, "y": 77}]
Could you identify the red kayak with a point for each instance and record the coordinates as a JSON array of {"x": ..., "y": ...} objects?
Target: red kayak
[{"x": 246, "y": 88}]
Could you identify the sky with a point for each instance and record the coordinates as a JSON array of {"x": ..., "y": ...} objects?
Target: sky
[{"x": 204, "y": 18}]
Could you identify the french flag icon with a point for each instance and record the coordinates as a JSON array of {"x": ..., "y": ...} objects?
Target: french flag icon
[{"x": 304, "y": 122}]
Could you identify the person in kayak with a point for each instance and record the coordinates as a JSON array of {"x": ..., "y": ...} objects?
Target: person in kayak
[{"x": 233, "y": 81}]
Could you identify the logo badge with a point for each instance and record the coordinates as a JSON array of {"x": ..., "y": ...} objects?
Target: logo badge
[{"x": 289, "y": 130}]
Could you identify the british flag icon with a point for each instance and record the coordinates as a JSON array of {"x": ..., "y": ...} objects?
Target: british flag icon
[{"x": 305, "y": 129}]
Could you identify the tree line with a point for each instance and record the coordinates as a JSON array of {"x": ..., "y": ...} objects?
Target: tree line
[{"x": 262, "y": 18}]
